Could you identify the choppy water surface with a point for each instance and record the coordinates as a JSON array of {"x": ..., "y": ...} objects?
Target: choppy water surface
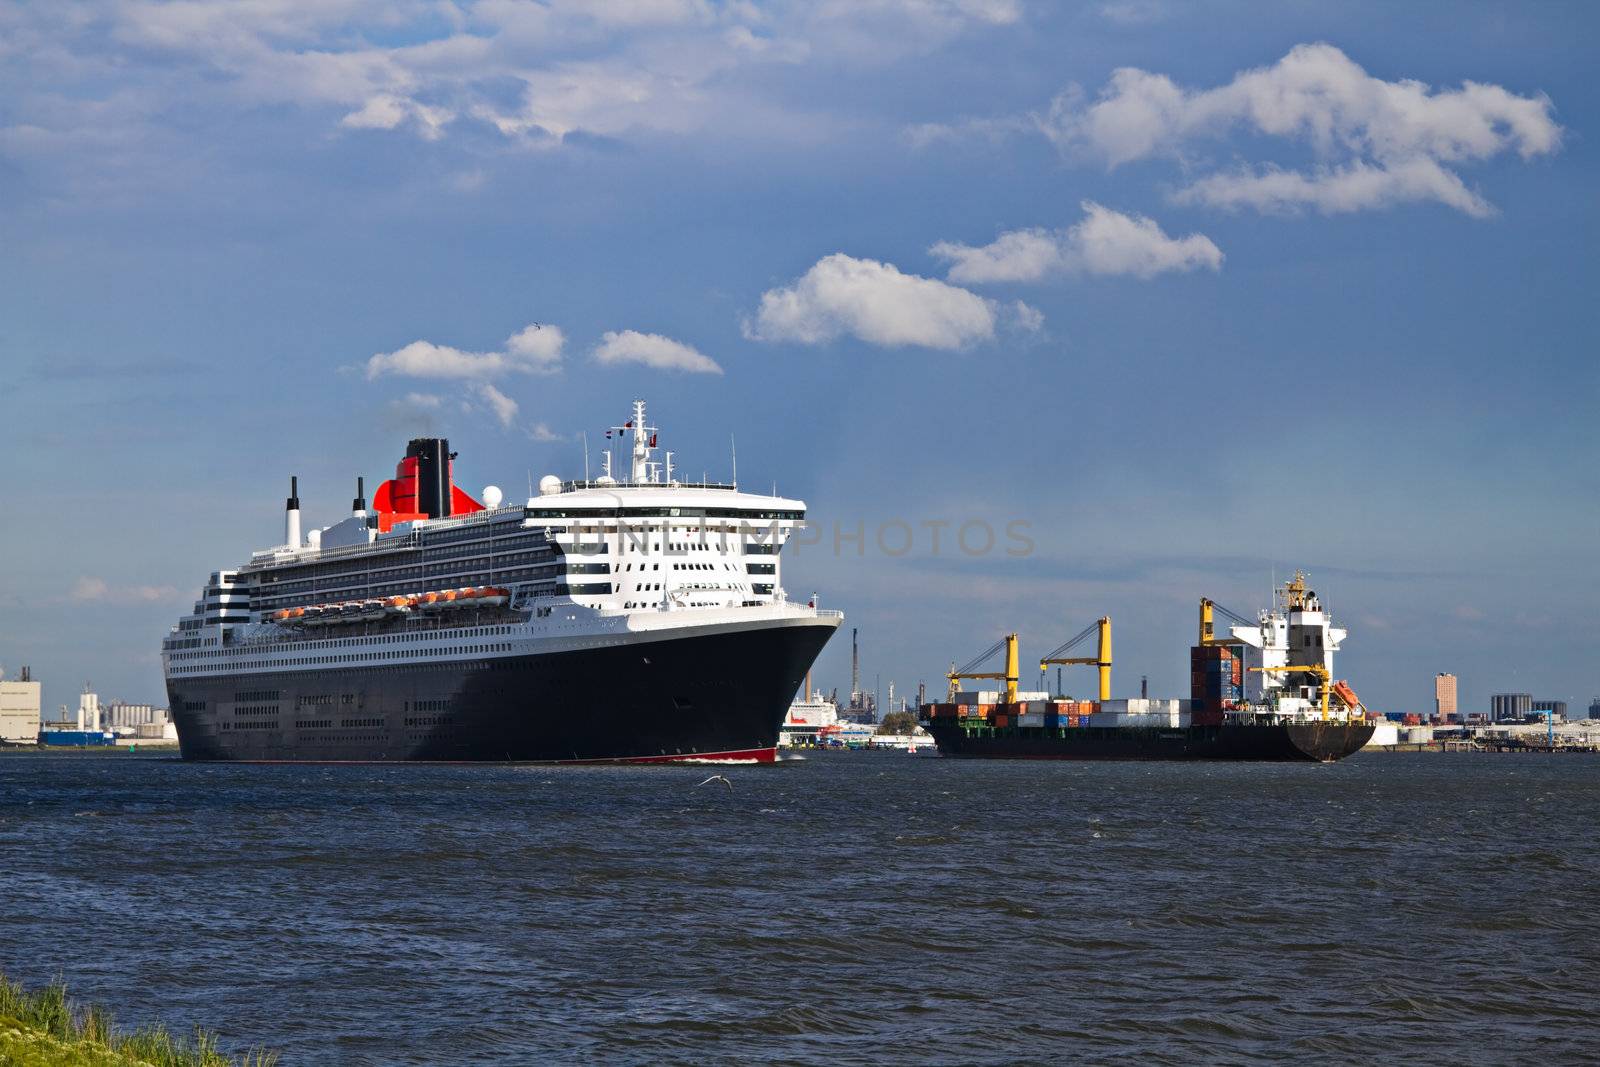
[{"x": 850, "y": 908}]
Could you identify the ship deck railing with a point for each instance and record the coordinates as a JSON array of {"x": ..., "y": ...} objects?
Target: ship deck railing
[{"x": 580, "y": 483}]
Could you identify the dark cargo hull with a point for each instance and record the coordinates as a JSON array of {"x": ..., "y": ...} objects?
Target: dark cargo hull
[
  {"x": 1299, "y": 741},
  {"x": 713, "y": 695}
]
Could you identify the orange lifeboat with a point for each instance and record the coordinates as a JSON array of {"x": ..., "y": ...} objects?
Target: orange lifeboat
[
  {"x": 469, "y": 595},
  {"x": 430, "y": 600},
  {"x": 395, "y": 605},
  {"x": 495, "y": 596}
]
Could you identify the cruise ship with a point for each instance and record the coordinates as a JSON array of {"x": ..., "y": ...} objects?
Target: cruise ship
[{"x": 634, "y": 618}]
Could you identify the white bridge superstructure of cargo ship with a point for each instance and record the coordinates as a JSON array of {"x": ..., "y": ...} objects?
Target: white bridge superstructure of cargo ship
[
  {"x": 397, "y": 632},
  {"x": 1288, "y": 658}
]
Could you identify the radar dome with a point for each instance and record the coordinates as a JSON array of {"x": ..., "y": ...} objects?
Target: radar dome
[
  {"x": 549, "y": 484},
  {"x": 605, "y": 479},
  {"x": 492, "y": 496}
]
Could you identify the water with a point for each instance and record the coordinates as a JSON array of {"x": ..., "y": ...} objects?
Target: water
[{"x": 851, "y": 908}]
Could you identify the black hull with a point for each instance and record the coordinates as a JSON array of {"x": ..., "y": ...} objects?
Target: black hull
[
  {"x": 1317, "y": 741},
  {"x": 720, "y": 694}
]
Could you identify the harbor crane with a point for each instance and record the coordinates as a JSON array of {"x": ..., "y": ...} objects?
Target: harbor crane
[
  {"x": 1101, "y": 658},
  {"x": 1009, "y": 676}
]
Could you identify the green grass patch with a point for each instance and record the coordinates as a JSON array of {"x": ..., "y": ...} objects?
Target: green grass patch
[{"x": 48, "y": 1029}]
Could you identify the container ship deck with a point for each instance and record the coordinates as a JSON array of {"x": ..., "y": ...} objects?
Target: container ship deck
[{"x": 1262, "y": 692}]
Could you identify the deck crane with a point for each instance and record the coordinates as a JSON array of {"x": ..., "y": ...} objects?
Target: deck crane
[
  {"x": 1207, "y": 634},
  {"x": 1009, "y": 676},
  {"x": 1101, "y": 658},
  {"x": 1316, "y": 670}
]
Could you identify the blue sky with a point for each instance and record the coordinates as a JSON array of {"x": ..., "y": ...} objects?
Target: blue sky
[{"x": 1199, "y": 293}]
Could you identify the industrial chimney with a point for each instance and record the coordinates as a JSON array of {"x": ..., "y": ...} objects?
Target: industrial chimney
[{"x": 855, "y": 668}]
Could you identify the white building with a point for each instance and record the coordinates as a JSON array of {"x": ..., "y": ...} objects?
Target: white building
[{"x": 19, "y": 711}]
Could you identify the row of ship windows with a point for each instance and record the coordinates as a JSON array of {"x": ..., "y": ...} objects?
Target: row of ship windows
[
  {"x": 531, "y": 547},
  {"x": 658, "y": 513},
  {"x": 365, "y": 657},
  {"x": 306, "y": 724},
  {"x": 248, "y": 710},
  {"x": 323, "y": 700},
  {"x": 285, "y": 594},
  {"x": 431, "y": 720},
  {"x": 347, "y": 642},
  {"x": 412, "y": 563}
]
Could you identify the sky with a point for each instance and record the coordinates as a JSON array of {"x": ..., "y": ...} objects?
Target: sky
[{"x": 1127, "y": 302}]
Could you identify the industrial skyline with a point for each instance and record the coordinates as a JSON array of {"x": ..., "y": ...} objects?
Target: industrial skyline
[{"x": 1183, "y": 299}]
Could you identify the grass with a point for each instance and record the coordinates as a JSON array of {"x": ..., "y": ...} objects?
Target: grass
[{"x": 48, "y": 1029}]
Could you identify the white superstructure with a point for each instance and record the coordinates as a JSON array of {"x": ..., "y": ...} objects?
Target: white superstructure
[{"x": 1296, "y": 632}]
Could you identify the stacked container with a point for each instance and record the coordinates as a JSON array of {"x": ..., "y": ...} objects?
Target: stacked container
[{"x": 1216, "y": 680}]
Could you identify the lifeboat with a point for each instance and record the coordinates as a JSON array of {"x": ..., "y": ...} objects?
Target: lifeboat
[
  {"x": 281, "y": 615},
  {"x": 430, "y": 601},
  {"x": 494, "y": 596},
  {"x": 447, "y": 598},
  {"x": 467, "y": 598},
  {"x": 371, "y": 610},
  {"x": 396, "y": 605}
]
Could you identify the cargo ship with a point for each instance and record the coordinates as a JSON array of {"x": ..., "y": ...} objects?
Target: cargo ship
[
  {"x": 1265, "y": 691},
  {"x": 637, "y": 619}
]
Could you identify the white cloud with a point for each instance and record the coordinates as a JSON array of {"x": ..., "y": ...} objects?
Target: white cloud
[
  {"x": 1337, "y": 190},
  {"x": 1026, "y": 318},
  {"x": 504, "y": 408},
  {"x": 91, "y": 589},
  {"x": 652, "y": 350},
  {"x": 1104, "y": 242},
  {"x": 1379, "y": 142},
  {"x": 1131, "y": 13},
  {"x": 535, "y": 349},
  {"x": 535, "y": 72},
  {"x": 537, "y": 345},
  {"x": 540, "y": 431},
  {"x": 872, "y": 301},
  {"x": 1374, "y": 143},
  {"x": 1014, "y": 256}
]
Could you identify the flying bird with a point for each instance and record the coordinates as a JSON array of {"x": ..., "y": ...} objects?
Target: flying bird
[{"x": 717, "y": 778}]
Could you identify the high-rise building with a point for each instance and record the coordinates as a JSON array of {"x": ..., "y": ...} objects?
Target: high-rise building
[
  {"x": 19, "y": 711},
  {"x": 1444, "y": 695},
  {"x": 1556, "y": 708},
  {"x": 1511, "y": 707}
]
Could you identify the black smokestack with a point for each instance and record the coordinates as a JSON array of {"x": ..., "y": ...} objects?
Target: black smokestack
[
  {"x": 360, "y": 502},
  {"x": 293, "y": 503},
  {"x": 433, "y": 475}
]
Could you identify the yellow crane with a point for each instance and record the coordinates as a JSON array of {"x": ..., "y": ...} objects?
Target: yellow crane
[
  {"x": 1101, "y": 658},
  {"x": 1316, "y": 670},
  {"x": 1009, "y": 676},
  {"x": 1207, "y": 628}
]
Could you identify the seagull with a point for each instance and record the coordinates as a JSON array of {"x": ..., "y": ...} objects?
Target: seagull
[{"x": 717, "y": 778}]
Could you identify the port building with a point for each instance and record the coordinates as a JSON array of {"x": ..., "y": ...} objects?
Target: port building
[
  {"x": 1444, "y": 695},
  {"x": 19, "y": 710}
]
